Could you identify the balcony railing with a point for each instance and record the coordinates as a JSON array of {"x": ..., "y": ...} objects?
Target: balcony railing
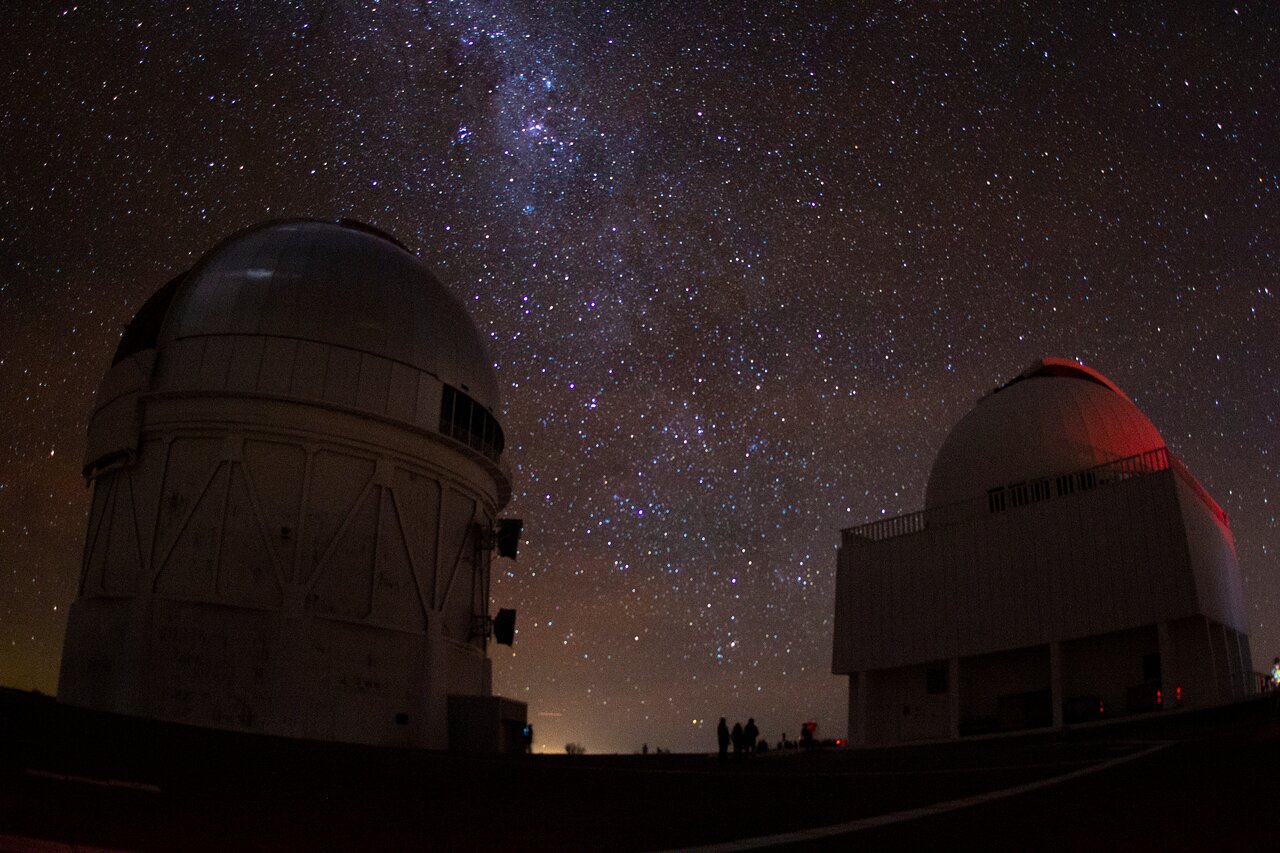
[{"x": 1027, "y": 492}]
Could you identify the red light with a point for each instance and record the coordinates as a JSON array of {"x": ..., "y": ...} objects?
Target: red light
[
  {"x": 1177, "y": 695},
  {"x": 1102, "y": 709},
  {"x": 1159, "y": 697},
  {"x": 839, "y": 741}
]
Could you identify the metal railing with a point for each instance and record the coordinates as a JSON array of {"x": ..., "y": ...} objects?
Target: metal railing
[{"x": 1027, "y": 492}]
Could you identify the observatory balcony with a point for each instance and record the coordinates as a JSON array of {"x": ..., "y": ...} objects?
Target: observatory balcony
[{"x": 1028, "y": 492}]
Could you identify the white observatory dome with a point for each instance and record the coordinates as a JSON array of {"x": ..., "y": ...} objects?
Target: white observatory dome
[
  {"x": 335, "y": 314},
  {"x": 297, "y": 472},
  {"x": 342, "y": 284},
  {"x": 1055, "y": 418}
]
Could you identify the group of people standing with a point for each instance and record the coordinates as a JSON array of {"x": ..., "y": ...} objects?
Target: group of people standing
[{"x": 742, "y": 738}]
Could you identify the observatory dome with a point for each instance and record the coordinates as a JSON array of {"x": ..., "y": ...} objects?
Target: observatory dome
[
  {"x": 297, "y": 473},
  {"x": 343, "y": 285},
  {"x": 1056, "y": 417}
]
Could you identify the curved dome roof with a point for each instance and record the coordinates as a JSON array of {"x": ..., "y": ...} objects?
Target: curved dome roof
[
  {"x": 1056, "y": 417},
  {"x": 343, "y": 284}
]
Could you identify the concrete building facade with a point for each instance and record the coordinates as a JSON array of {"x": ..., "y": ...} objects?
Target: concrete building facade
[
  {"x": 297, "y": 472},
  {"x": 1066, "y": 567}
]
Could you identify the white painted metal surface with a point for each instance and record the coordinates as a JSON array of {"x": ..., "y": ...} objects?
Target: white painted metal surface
[
  {"x": 1039, "y": 426},
  {"x": 1066, "y": 563},
  {"x": 287, "y": 535}
]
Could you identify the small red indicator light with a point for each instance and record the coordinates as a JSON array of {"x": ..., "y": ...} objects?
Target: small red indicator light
[{"x": 1159, "y": 697}]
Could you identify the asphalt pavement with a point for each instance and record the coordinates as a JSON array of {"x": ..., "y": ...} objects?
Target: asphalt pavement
[{"x": 71, "y": 779}]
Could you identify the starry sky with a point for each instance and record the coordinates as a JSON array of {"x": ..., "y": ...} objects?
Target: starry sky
[{"x": 739, "y": 268}]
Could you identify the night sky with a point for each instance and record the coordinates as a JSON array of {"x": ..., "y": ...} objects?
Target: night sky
[{"x": 739, "y": 272}]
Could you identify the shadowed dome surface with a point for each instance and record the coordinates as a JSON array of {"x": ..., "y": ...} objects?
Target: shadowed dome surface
[
  {"x": 1056, "y": 417},
  {"x": 342, "y": 284}
]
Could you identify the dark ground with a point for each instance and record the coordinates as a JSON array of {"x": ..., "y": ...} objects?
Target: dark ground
[{"x": 97, "y": 780}]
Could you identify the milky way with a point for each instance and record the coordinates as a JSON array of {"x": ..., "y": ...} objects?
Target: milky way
[{"x": 739, "y": 272}]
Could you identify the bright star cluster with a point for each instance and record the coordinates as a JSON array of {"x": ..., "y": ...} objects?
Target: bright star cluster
[{"x": 739, "y": 268}]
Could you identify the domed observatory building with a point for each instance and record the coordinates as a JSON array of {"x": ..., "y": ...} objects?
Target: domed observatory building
[
  {"x": 297, "y": 472},
  {"x": 1066, "y": 567}
]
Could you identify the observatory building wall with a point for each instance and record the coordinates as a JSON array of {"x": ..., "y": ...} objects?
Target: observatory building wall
[
  {"x": 288, "y": 533},
  {"x": 1028, "y": 593},
  {"x": 1211, "y": 551},
  {"x": 1085, "y": 564}
]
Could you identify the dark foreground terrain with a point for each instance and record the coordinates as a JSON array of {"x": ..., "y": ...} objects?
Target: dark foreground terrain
[{"x": 71, "y": 779}]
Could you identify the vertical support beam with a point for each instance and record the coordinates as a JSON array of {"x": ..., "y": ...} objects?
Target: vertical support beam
[
  {"x": 1215, "y": 663},
  {"x": 1221, "y": 661},
  {"x": 1238, "y": 689},
  {"x": 859, "y": 685},
  {"x": 1246, "y": 664},
  {"x": 851, "y": 708},
  {"x": 1170, "y": 664},
  {"x": 953, "y": 696},
  {"x": 1055, "y": 682},
  {"x": 864, "y": 703}
]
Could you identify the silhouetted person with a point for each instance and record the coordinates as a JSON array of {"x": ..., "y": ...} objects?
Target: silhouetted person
[
  {"x": 722, "y": 738},
  {"x": 750, "y": 735},
  {"x": 736, "y": 737}
]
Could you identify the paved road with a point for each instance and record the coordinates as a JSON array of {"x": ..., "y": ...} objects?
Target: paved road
[
  {"x": 1202, "y": 794},
  {"x": 112, "y": 783}
]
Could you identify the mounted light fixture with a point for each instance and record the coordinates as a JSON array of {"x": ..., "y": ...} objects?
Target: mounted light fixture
[
  {"x": 504, "y": 627},
  {"x": 508, "y": 536}
]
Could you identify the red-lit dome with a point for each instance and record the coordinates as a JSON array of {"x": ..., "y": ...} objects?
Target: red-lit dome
[{"x": 1056, "y": 417}]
